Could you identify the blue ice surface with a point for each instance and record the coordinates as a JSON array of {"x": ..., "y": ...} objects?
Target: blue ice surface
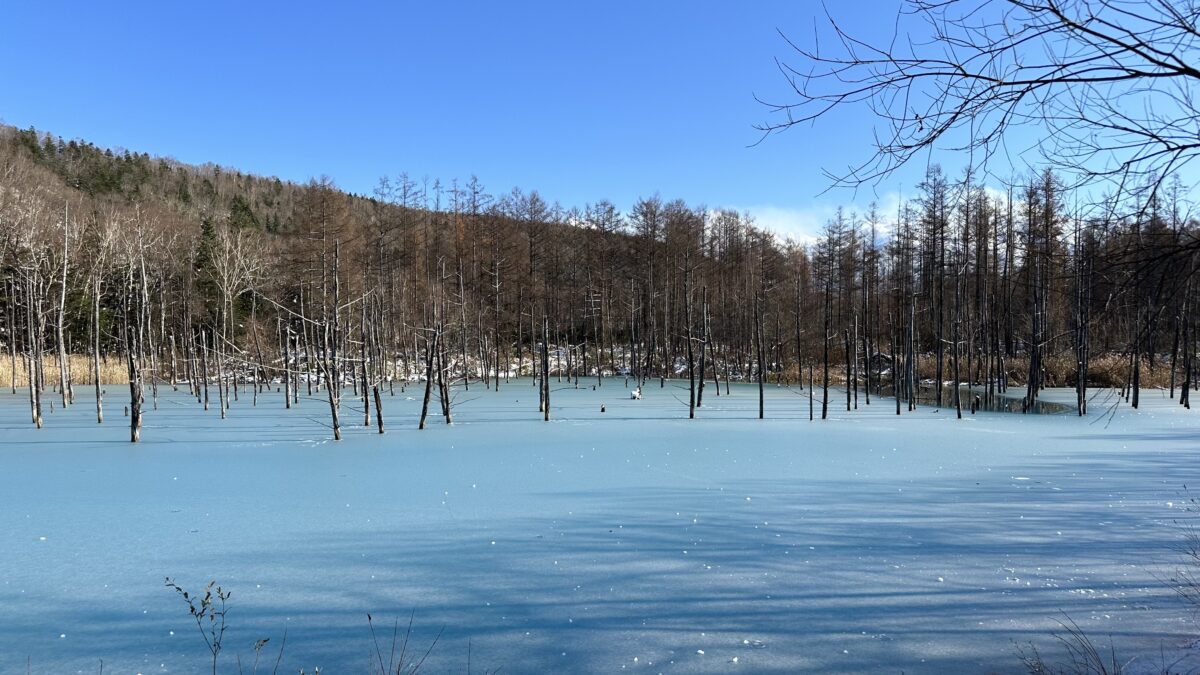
[{"x": 633, "y": 539}]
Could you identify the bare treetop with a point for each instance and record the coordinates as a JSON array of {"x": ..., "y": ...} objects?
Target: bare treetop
[{"x": 1106, "y": 86}]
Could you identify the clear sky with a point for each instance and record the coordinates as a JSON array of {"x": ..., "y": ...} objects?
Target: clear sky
[{"x": 580, "y": 101}]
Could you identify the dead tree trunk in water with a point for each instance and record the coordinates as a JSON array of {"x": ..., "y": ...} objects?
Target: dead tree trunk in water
[
  {"x": 430, "y": 350},
  {"x": 1188, "y": 348},
  {"x": 204, "y": 364},
  {"x": 869, "y": 324},
  {"x": 309, "y": 350},
  {"x": 193, "y": 368},
  {"x": 825, "y": 358},
  {"x": 1137, "y": 360},
  {"x": 174, "y": 363},
  {"x": 545, "y": 368},
  {"x": 810, "y": 391},
  {"x": 219, "y": 341},
  {"x": 703, "y": 345},
  {"x": 957, "y": 340},
  {"x": 910, "y": 358},
  {"x": 691, "y": 348},
  {"x": 96, "y": 348},
  {"x": 12, "y": 335},
  {"x": 1174, "y": 353},
  {"x": 846, "y": 346},
  {"x": 147, "y": 338},
  {"x": 286, "y": 333},
  {"x": 1082, "y": 319},
  {"x": 442, "y": 372},
  {"x": 462, "y": 326},
  {"x": 133, "y": 335},
  {"x": 330, "y": 339},
  {"x": 329, "y": 372},
  {"x": 758, "y": 342},
  {"x": 896, "y": 365},
  {"x": 378, "y": 376},
  {"x": 496, "y": 319},
  {"x": 363, "y": 356},
  {"x": 64, "y": 380},
  {"x": 332, "y": 386},
  {"x": 295, "y": 374},
  {"x": 853, "y": 344},
  {"x": 259, "y": 370},
  {"x": 940, "y": 257},
  {"x": 32, "y": 328}
]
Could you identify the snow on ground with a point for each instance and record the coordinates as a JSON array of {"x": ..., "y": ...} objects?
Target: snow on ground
[{"x": 631, "y": 540}]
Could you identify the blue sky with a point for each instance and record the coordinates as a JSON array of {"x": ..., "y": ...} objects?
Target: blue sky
[{"x": 579, "y": 101}]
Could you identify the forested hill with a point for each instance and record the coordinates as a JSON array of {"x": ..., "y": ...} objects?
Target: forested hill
[
  {"x": 112, "y": 253},
  {"x": 126, "y": 178}
]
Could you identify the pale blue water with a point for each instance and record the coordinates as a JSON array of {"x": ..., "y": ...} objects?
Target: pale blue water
[{"x": 633, "y": 539}]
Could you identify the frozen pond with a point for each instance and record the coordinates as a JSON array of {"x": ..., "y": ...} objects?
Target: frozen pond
[{"x": 634, "y": 539}]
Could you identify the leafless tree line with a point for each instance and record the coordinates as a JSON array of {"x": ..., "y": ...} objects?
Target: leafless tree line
[{"x": 251, "y": 287}]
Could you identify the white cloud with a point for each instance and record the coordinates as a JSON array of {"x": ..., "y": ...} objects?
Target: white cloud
[{"x": 804, "y": 224}]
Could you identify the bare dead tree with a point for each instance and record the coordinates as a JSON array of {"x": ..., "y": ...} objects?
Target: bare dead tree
[
  {"x": 431, "y": 346},
  {"x": 136, "y": 237},
  {"x": 236, "y": 265},
  {"x": 65, "y": 389},
  {"x": 545, "y": 368},
  {"x": 1108, "y": 86}
]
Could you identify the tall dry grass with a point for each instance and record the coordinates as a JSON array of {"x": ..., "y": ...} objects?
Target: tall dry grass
[{"x": 112, "y": 371}]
